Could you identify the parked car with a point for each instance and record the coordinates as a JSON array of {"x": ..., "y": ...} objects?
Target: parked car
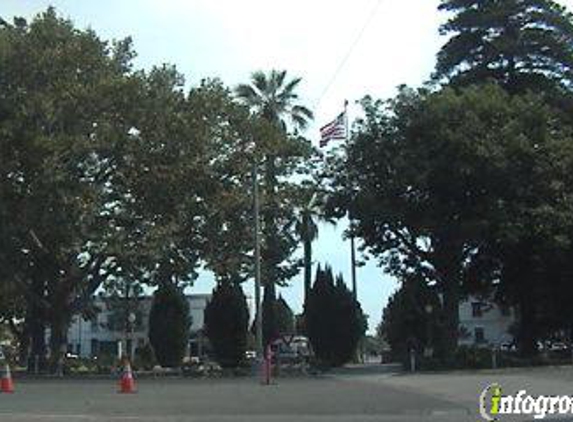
[
  {"x": 558, "y": 346},
  {"x": 508, "y": 347},
  {"x": 292, "y": 348}
]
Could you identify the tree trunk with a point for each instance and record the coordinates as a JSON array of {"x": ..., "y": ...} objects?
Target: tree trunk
[
  {"x": 449, "y": 266},
  {"x": 37, "y": 361},
  {"x": 451, "y": 317},
  {"x": 528, "y": 321},
  {"x": 520, "y": 282},
  {"x": 526, "y": 338},
  {"x": 58, "y": 344}
]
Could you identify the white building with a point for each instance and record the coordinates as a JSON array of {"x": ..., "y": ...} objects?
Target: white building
[
  {"x": 484, "y": 323},
  {"x": 102, "y": 335}
]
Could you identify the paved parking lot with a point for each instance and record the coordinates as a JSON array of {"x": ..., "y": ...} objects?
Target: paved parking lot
[
  {"x": 322, "y": 399},
  {"x": 359, "y": 397}
]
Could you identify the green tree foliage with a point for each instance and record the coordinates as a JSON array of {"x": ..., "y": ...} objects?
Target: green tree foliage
[
  {"x": 169, "y": 324},
  {"x": 273, "y": 97},
  {"x": 438, "y": 173},
  {"x": 110, "y": 174},
  {"x": 309, "y": 212},
  {"x": 226, "y": 324},
  {"x": 410, "y": 319},
  {"x": 334, "y": 320},
  {"x": 307, "y": 230},
  {"x": 522, "y": 44},
  {"x": 278, "y": 319},
  {"x": 61, "y": 113},
  {"x": 122, "y": 299},
  {"x": 285, "y": 317}
]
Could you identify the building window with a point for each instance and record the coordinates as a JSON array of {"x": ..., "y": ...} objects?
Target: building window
[
  {"x": 479, "y": 335},
  {"x": 477, "y": 310},
  {"x": 95, "y": 347}
]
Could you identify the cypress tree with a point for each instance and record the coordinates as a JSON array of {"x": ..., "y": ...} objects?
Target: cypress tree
[
  {"x": 285, "y": 317},
  {"x": 226, "y": 324},
  {"x": 169, "y": 324},
  {"x": 335, "y": 322}
]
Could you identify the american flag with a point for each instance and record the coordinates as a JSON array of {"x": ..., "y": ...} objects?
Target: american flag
[{"x": 333, "y": 130}]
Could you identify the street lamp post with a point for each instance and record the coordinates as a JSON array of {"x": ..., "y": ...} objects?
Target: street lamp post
[
  {"x": 430, "y": 347},
  {"x": 131, "y": 320},
  {"x": 258, "y": 313}
]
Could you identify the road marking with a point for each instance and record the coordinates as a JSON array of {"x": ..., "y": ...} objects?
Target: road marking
[{"x": 66, "y": 416}]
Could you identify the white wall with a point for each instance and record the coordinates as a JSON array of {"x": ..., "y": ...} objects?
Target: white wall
[
  {"x": 493, "y": 322},
  {"x": 82, "y": 332}
]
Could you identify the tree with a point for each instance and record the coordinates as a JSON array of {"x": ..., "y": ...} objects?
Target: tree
[
  {"x": 334, "y": 320},
  {"x": 228, "y": 240},
  {"x": 169, "y": 323},
  {"x": 430, "y": 166},
  {"x": 522, "y": 44},
  {"x": 112, "y": 175},
  {"x": 273, "y": 97},
  {"x": 410, "y": 319},
  {"x": 61, "y": 114},
  {"x": 278, "y": 319},
  {"x": 226, "y": 324},
  {"x": 310, "y": 211},
  {"x": 122, "y": 301},
  {"x": 285, "y": 318},
  {"x": 307, "y": 230}
]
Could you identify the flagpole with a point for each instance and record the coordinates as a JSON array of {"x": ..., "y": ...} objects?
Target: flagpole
[{"x": 352, "y": 237}]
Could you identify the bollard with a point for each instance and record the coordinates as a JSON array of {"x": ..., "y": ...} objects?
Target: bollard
[{"x": 267, "y": 366}]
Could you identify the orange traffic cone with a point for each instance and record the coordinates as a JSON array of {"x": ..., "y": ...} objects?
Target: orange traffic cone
[
  {"x": 6, "y": 383},
  {"x": 127, "y": 383}
]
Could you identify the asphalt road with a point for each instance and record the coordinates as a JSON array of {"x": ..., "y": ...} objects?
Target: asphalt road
[
  {"x": 169, "y": 400},
  {"x": 353, "y": 395}
]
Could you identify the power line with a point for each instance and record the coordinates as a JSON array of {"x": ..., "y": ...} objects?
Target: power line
[{"x": 349, "y": 52}]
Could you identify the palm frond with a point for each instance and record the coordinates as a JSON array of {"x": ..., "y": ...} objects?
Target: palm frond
[
  {"x": 277, "y": 79},
  {"x": 303, "y": 111},
  {"x": 299, "y": 121},
  {"x": 291, "y": 86},
  {"x": 274, "y": 97},
  {"x": 247, "y": 93},
  {"x": 260, "y": 81}
]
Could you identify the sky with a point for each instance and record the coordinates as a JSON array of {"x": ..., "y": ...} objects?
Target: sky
[{"x": 343, "y": 50}]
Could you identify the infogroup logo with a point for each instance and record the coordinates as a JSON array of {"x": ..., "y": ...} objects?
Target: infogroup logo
[{"x": 492, "y": 404}]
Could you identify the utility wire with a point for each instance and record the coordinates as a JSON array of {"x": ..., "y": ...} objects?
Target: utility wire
[{"x": 349, "y": 52}]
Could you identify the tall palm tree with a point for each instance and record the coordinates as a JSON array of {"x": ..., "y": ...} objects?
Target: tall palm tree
[
  {"x": 307, "y": 229},
  {"x": 273, "y": 97},
  {"x": 310, "y": 213}
]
